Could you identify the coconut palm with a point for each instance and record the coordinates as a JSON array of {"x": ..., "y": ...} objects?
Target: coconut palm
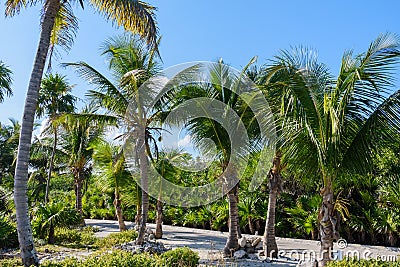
[
  {"x": 110, "y": 164},
  {"x": 164, "y": 165},
  {"x": 58, "y": 27},
  {"x": 131, "y": 63},
  {"x": 54, "y": 99},
  {"x": 81, "y": 134},
  {"x": 338, "y": 121},
  {"x": 5, "y": 81},
  {"x": 221, "y": 88}
]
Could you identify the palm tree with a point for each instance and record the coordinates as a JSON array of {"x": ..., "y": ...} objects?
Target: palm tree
[
  {"x": 338, "y": 121},
  {"x": 9, "y": 135},
  {"x": 48, "y": 217},
  {"x": 58, "y": 27},
  {"x": 132, "y": 63},
  {"x": 165, "y": 167},
  {"x": 5, "y": 81},
  {"x": 222, "y": 88},
  {"x": 110, "y": 162},
  {"x": 82, "y": 133},
  {"x": 54, "y": 99}
]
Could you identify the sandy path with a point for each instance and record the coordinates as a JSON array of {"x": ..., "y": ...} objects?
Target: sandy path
[{"x": 209, "y": 245}]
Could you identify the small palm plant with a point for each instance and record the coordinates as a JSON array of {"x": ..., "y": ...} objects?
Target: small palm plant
[{"x": 51, "y": 216}]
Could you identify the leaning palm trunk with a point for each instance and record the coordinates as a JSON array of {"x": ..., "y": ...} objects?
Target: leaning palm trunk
[
  {"x": 118, "y": 211},
  {"x": 144, "y": 184},
  {"x": 28, "y": 252},
  {"x": 159, "y": 219},
  {"x": 51, "y": 165},
  {"x": 327, "y": 225},
  {"x": 232, "y": 242},
  {"x": 274, "y": 184}
]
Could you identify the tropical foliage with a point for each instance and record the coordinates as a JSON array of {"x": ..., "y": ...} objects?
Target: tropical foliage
[{"x": 335, "y": 172}]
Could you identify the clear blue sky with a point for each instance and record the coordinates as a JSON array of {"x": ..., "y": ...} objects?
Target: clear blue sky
[{"x": 208, "y": 30}]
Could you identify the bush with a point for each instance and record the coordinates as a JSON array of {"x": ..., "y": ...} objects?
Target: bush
[
  {"x": 76, "y": 237},
  {"x": 8, "y": 233},
  {"x": 116, "y": 239},
  {"x": 363, "y": 263},
  {"x": 180, "y": 257},
  {"x": 16, "y": 262},
  {"x": 116, "y": 258}
]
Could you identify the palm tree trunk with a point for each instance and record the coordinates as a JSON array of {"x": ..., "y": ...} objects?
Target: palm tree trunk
[
  {"x": 138, "y": 206},
  {"x": 78, "y": 193},
  {"x": 274, "y": 184},
  {"x": 28, "y": 252},
  {"x": 138, "y": 216},
  {"x": 144, "y": 184},
  {"x": 251, "y": 228},
  {"x": 159, "y": 219},
  {"x": 232, "y": 242},
  {"x": 327, "y": 229},
  {"x": 53, "y": 152},
  {"x": 50, "y": 239},
  {"x": 118, "y": 211}
]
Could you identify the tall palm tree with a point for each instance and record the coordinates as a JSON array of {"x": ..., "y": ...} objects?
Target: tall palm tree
[
  {"x": 54, "y": 99},
  {"x": 339, "y": 121},
  {"x": 222, "y": 88},
  {"x": 110, "y": 164},
  {"x": 131, "y": 62},
  {"x": 58, "y": 27},
  {"x": 5, "y": 81}
]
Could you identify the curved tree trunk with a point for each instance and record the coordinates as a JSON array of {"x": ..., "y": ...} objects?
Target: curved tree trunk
[
  {"x": 274, "y": 184},
  {"x": 118, "y": 211},
  {"x": 53, "y": 152},
  {"x": 327, "y": 225},
  {"x": 144, "y": 184},
  {"x": 159, "y": 219},
  {"x": 28, "y": 252},
  {"x": 232, "y": 242}
]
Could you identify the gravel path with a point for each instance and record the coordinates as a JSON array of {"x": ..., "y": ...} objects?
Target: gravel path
[{"x": 209, "y": 245}]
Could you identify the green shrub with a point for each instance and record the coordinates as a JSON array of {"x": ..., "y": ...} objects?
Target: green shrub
[
  {"x": 76, "y": 237},
  {"x": 16, "y": 262},
  {"x": 116, "y": 239},
  {"x": 180, "y": 257},
  {"x": 8, "y": 233},
  {"x": 116, "y": 258},
  {"x": 363, "y": 263}
]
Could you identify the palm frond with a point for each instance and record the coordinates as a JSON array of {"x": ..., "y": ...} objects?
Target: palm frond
[
  {"x": 64, "y": 30},
  {"x": 5, "y": 81},
  {"x": 135, "y": 16}
]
